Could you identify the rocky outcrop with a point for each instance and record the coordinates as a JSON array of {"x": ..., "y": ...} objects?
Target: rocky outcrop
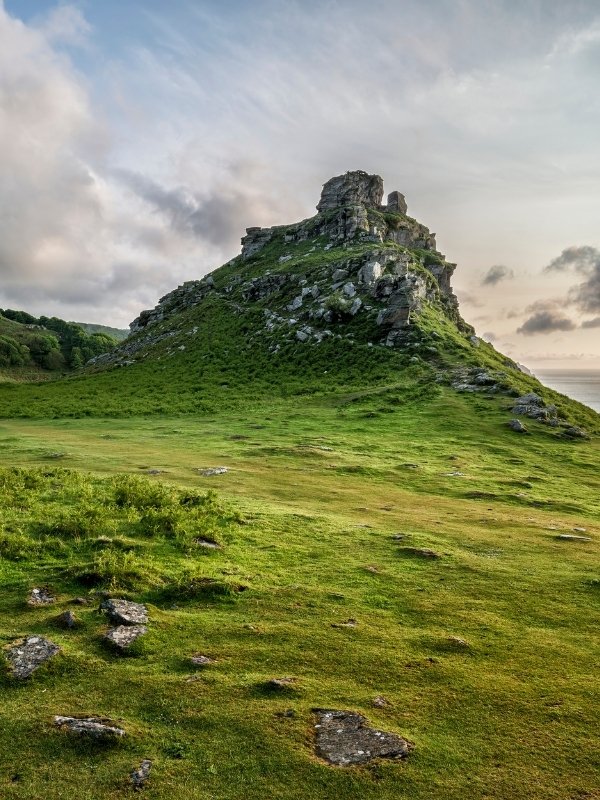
[{"x": 90, "y": 727}]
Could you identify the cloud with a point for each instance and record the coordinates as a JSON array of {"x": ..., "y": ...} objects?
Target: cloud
[
  {"x": 546, "y": 321},
  {"x": 586, "y": 261},
  {"x": 496, "y": 274},
  {"x": 591, "y": 323}
]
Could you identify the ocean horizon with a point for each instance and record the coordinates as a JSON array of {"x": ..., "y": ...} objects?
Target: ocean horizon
[{"x": 579, "y": 384}]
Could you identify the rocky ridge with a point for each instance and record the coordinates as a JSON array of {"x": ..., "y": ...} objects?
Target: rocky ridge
[{"x": 357, "y": 258}]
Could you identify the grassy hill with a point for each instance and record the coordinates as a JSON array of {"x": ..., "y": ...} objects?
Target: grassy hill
[{"x": 380, "y": 536}]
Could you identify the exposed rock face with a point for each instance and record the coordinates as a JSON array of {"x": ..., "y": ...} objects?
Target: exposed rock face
[
  {"x": 90, "y": 727},
  {"x": 26, "y": 655},
  {"x": 352, "y": 189},
  {"x": 344, "y": 738}
]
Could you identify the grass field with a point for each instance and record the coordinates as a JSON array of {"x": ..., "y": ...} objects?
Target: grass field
[{"x": 316, "y": 490}]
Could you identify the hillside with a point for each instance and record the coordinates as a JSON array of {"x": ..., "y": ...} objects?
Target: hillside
[
  {"x": 115, "y": 333},
  {"x": 39, "y": 348},
  {"x": 361, "y": 544}
]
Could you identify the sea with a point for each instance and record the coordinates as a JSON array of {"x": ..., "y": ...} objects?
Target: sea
[{"x": 582, "y": 385}]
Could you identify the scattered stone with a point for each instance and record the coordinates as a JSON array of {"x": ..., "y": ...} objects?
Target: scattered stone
[
  {"x": 380, "y": 702},
  {"x": 280, "y": 684},
  {"x": 208, "y": 473},
  {"x": 123, "y": 636},
  {"x": 349, "y": 623},
  {"x": 517, "y": 426},
  {"x": 580, "y": 530},
  {"x": 92, "y": 727},
  {"x": 26, "y": 655},
  {"x": 344, "y": 738},
  {"x": 419, "y": 552},
  {"x": 140, "y": 775},
  {"x": 200, "y": 660},
  {"x": 40, "y": 597},
  {"x": 456, "y": 641},
  {"x": 154, "y": 471},
  {"x": 573, "y": 537},
  {"x": 574, "y": 432},
  {"x": 124, "y": 612},
  {"x": 67, "y": 620},
  {"x": 80, "y": 601},
  {"x": 208, "y": 543}
]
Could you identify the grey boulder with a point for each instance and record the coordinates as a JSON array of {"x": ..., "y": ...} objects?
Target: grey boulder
[
  {"x": 26, "y": 655},
  {"x": 344, "y": 738}
]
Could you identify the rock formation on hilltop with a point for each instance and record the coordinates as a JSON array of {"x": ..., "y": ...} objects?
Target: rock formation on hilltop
[{"x": 357, "y": 259}]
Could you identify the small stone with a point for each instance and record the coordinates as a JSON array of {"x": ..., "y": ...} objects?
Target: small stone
[
  {"x": 280, "y": 684},
  {"x": 92, "y": 727},
  {"x": 210, "y": 471},
  {"x": 154, "y": 471},
  {"x": 397, "y": 537},
  {"x": 419, "y": 552},
  {"x": 380, "y": 702},
  {"x": 200, "y": 660},
  {"x": 571, "y": 537},
  {"x": 67, "y": 620},
  {"x": 123, "y": 636},
  {"x": 580, "y": 530},
  {"x": 140, "y": 775},
  {"x": 26, "y": 655},
  {"x": 124, "y": 612},
  {"x": 349, "y": 623},
  {"x": 456, "y": 641},
  {"x": 210, "y": 544},
  {"x": 517, "y": 426},
  {"x": 40, "y": 597},
  {"x": 344, "y": 738}
]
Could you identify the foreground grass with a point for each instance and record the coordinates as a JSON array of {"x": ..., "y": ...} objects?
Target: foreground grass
[{"x": 306, "y": 517}]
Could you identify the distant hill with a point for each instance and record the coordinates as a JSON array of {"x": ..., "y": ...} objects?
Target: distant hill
[
  {"x": 117, "y": 333},
  {"x": 34, "y": 348}
]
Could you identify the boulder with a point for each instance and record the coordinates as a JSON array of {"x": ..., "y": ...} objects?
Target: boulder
[
  {"x": 344, "y": 738},
  {"x": 124, "y": 612},
  {"x": 517, "y": 426},
  {"x": 396, "y": 203},
  {"x": 26, "y": 655},
  {"x": 90, "y": 727}
]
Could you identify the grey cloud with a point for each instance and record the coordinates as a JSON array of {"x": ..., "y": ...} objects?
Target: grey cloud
[
  {"x": 546, "y": 321},
  {"x": 586, "y": 261},
  {"x": 496, "y": 274},
  {"x": 591, "y": 323}
]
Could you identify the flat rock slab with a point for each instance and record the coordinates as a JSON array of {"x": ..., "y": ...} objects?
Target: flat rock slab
[
  {"x": 26, "y": 655},
  {"x": 124, "y": 612},
  {"x": 344, "y": 738},
  {"x": 123, "y": 636},
  {"x": 140, "y": 775},
  {"x": 418, "y": 552},
  {"x": 91, "y": 727},
  {"x": 40, "y": 597},
  {"x": 210, "y": 471},
  {"x": 571, "y": 537}
]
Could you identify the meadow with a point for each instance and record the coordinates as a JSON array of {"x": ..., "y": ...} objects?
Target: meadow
[{"x": 486, "y": 655}]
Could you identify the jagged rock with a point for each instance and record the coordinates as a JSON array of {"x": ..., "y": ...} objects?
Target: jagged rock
[
  {"x": 123, "y": 636},
  {"x": 344, "y": 738},
  {"x": 370, "y": 272},
  {"x": 352, "y": 189},
  {"x": 90, "y": 727},
  {"x": 26, "y": 655},
  {"x": 532, "y": 405},
  {"x": 517, "y": 426},
  {"x": 124, "y": 612},
  {"x": 396, "y": 204},
  {"x": 40, "y": 597},
  {"x": 140, "y": 775},
  {"x": 208, "y": 473}
]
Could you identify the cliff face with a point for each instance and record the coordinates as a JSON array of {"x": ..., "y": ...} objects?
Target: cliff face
[{"x": 358, "y": 269}]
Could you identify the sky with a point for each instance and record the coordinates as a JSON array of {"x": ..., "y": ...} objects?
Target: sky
[{"x": 138, "y": 139}]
